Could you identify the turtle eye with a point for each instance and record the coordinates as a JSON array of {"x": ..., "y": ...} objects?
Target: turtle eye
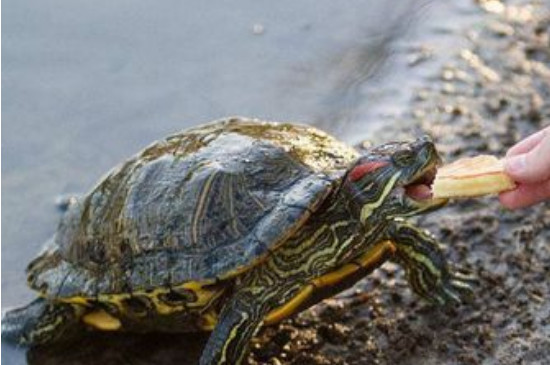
[
  {"x": 404, "y": 158},
  {"x": 361, "y": 170}
]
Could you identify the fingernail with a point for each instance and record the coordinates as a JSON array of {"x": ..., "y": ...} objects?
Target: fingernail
[{"x": 516, "y": 164}]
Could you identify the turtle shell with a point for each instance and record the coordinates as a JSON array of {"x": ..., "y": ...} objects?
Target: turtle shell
[{"x": 201, "y": 205}]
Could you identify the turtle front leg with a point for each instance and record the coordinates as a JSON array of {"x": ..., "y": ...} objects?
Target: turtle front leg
[
  {"x": 425, "y": 265},
  {"x": 40, "y": 322},
  {"x": 239, "y": 321}
]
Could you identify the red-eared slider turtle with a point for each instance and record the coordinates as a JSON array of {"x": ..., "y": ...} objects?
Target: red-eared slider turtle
[{"x": 230, "y": 226}]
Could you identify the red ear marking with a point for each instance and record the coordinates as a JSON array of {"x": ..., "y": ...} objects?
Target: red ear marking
[{"x": 359, "y": 171}]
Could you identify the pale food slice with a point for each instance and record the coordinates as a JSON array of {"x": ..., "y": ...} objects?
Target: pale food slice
[{"x": 474, "y": 176}]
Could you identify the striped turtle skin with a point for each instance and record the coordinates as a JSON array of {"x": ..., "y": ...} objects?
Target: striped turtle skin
[{"x": 230, "y": 226}]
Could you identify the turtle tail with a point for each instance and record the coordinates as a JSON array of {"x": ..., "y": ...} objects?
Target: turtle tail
[{"x": 40, "y": 322}]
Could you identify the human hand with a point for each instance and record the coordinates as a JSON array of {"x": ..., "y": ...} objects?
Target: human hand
[{"x": 528, "y": 164}]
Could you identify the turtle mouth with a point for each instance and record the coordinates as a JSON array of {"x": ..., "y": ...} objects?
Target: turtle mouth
[{"x": 419, "y": 188}]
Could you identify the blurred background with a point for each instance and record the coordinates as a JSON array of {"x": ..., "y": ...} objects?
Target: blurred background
[{"x": 87, "y": 84}]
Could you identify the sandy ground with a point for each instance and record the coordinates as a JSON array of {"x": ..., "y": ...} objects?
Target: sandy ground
[{"x": 491, "y": 95}]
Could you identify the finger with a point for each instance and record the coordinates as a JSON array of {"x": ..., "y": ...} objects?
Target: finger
[
  {"x": 525, "y": 195},
  {"x": 533, "y": 166},
  {"x": 528, "y": 143}
]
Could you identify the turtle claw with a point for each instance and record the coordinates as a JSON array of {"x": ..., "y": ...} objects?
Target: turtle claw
[
  {"x": 466, "y": 278},
  {"x": 456, "y": 288},
  {"x": 450, "y": 288}
]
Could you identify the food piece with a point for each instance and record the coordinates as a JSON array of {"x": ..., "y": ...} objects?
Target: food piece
[{"x": 474, "y": 176}]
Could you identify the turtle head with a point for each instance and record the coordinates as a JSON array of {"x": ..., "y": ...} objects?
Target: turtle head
[{"x": 394, "y": 179}]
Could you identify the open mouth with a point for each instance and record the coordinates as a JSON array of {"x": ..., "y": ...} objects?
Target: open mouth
[{"x": 420, "y": 188}]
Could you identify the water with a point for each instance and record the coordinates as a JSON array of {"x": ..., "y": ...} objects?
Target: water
[{"x": 87, "y": 84}]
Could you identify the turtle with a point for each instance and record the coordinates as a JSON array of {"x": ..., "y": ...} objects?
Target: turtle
[{"x": 230, "y": 226}]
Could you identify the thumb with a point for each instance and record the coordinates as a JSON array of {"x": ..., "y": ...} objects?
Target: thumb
[{"x": 533, "y": 166}]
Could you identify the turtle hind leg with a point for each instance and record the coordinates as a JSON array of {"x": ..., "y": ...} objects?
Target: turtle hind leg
[
  {"x": 40, "y": 322},
  {"x": 427, "y": 270}
]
